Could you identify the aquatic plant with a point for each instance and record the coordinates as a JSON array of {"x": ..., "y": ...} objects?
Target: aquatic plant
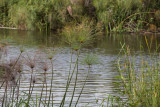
[
  {"x": 17, "y": 97},
  {"x": 79, "y": 35},
  {"x": 89, "y": 60},
  {"x": 55, "y": 14},
  {"x": 109, "y": 12},
  {"x": 31, "y": 63},
  {"x": 45, "y": 68},
  {"x": 70, "y": 76},
  {"x": 51, "y": 61},
  {"x": 11, "y": 75},
  {"x": 139, "y": 80},
  {"x": 112, "y": 13}
]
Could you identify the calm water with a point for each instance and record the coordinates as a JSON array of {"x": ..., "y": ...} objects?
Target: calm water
[{"x": 100, "y": 82}]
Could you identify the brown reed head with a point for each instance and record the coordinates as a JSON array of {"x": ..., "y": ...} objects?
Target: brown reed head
[
  {"x": 45, "y": 66},
  {"x": 8, "y": 74},
  {"x": 16, "y": 65},
  {"x": 30, "y": 63}
]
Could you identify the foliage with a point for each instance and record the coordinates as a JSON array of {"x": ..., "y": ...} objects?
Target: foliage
[
  {"x": 80, "y": 34},
  {"x": 139, "y": 80},
  {"x": 112, "y": 13},
  {"x": 55, "y": 14},
  {"x": 36, "y": 14},
  {"x": 90, "y": 59}
]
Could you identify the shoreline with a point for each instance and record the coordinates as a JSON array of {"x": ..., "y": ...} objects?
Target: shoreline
[{"x": 139, "y": 32}]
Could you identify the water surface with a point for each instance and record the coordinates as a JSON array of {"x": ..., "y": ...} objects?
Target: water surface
[{"x": 101, "y": 81}]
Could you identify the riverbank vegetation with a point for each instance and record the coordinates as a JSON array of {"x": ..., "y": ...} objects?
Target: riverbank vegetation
[
  {"x": 139, "y": 80},
  {"x": 112, "y": 16}
]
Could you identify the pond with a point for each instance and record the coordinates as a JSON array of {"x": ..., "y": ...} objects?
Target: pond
[{"x": 101, "y": 80}]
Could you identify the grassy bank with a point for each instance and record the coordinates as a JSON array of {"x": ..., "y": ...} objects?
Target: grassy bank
[{"x": 108, "y": 15}]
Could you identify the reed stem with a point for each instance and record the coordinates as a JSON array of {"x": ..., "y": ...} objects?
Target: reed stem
[
  {"x": 51, "y": 83},
  {"x": 89, "y": 67},
  {"x": 68, "y": 83},
  {"x": 75, "y": 82}
]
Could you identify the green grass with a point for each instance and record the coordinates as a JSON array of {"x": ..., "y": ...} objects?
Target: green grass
[
  {"x": 138, "y": 78},
  {"x": 112, "y": 13}
]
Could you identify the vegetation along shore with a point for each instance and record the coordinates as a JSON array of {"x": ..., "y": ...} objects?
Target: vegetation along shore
[
  {"x": 105, "y": 15},
  {"x": 59, "y": 56}
]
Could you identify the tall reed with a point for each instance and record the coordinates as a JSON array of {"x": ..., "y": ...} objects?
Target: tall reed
[
  {"x": 80, "y": 36},
  {"x": 50, "y": 92},
  {"x": 78, "y": 52},
  {"x": 45, "y": 69},
  {"x": 139, "y": 78},
  {"x": 89, "y": 59}
]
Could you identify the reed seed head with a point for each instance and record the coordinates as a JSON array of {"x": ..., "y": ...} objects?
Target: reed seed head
[
  {"x": 50, "y": 54},
  {"x": 45, "y": 67},
  {"x": 31, "y": 62},
  {"x": 21, "y": 49},
  {"x": 8, "y": 74}
]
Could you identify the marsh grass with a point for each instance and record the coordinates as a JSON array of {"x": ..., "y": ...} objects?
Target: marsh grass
[
  {"x": 139, "y": 78},
  {"x": 55, "y": 14},
  {"x": 113, "y": 13},
  {"x": 45, "y": 68},
  {"x": 31, "y": 15},
  {"x": 80, "y": 34},
  {"x": 77, "y": 36},
  {"x": 89, "y": 60}
]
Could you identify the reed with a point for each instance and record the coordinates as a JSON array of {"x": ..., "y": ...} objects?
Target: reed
[
  {"x": 16, "y": 66},
  {"x": 113, "y": 13},
  {"x": 75, "y": 80},
  {"x": 45, "y": 69},
  {"x": 54, "y": 14},
  {"x": 68, "y": 83},
  {"x": 139, "y": 79},
  {"x": 89, "y": 59},
  {"x": 79, "y": 37},
  {"x": 31, "y": 64},
  {"x": 50, "y": 93}
]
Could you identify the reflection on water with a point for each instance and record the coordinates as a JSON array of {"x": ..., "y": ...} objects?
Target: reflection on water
[{"x": 100, "y": 82}]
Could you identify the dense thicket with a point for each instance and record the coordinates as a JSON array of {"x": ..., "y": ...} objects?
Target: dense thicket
[{"x": 112, "y": 15}]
